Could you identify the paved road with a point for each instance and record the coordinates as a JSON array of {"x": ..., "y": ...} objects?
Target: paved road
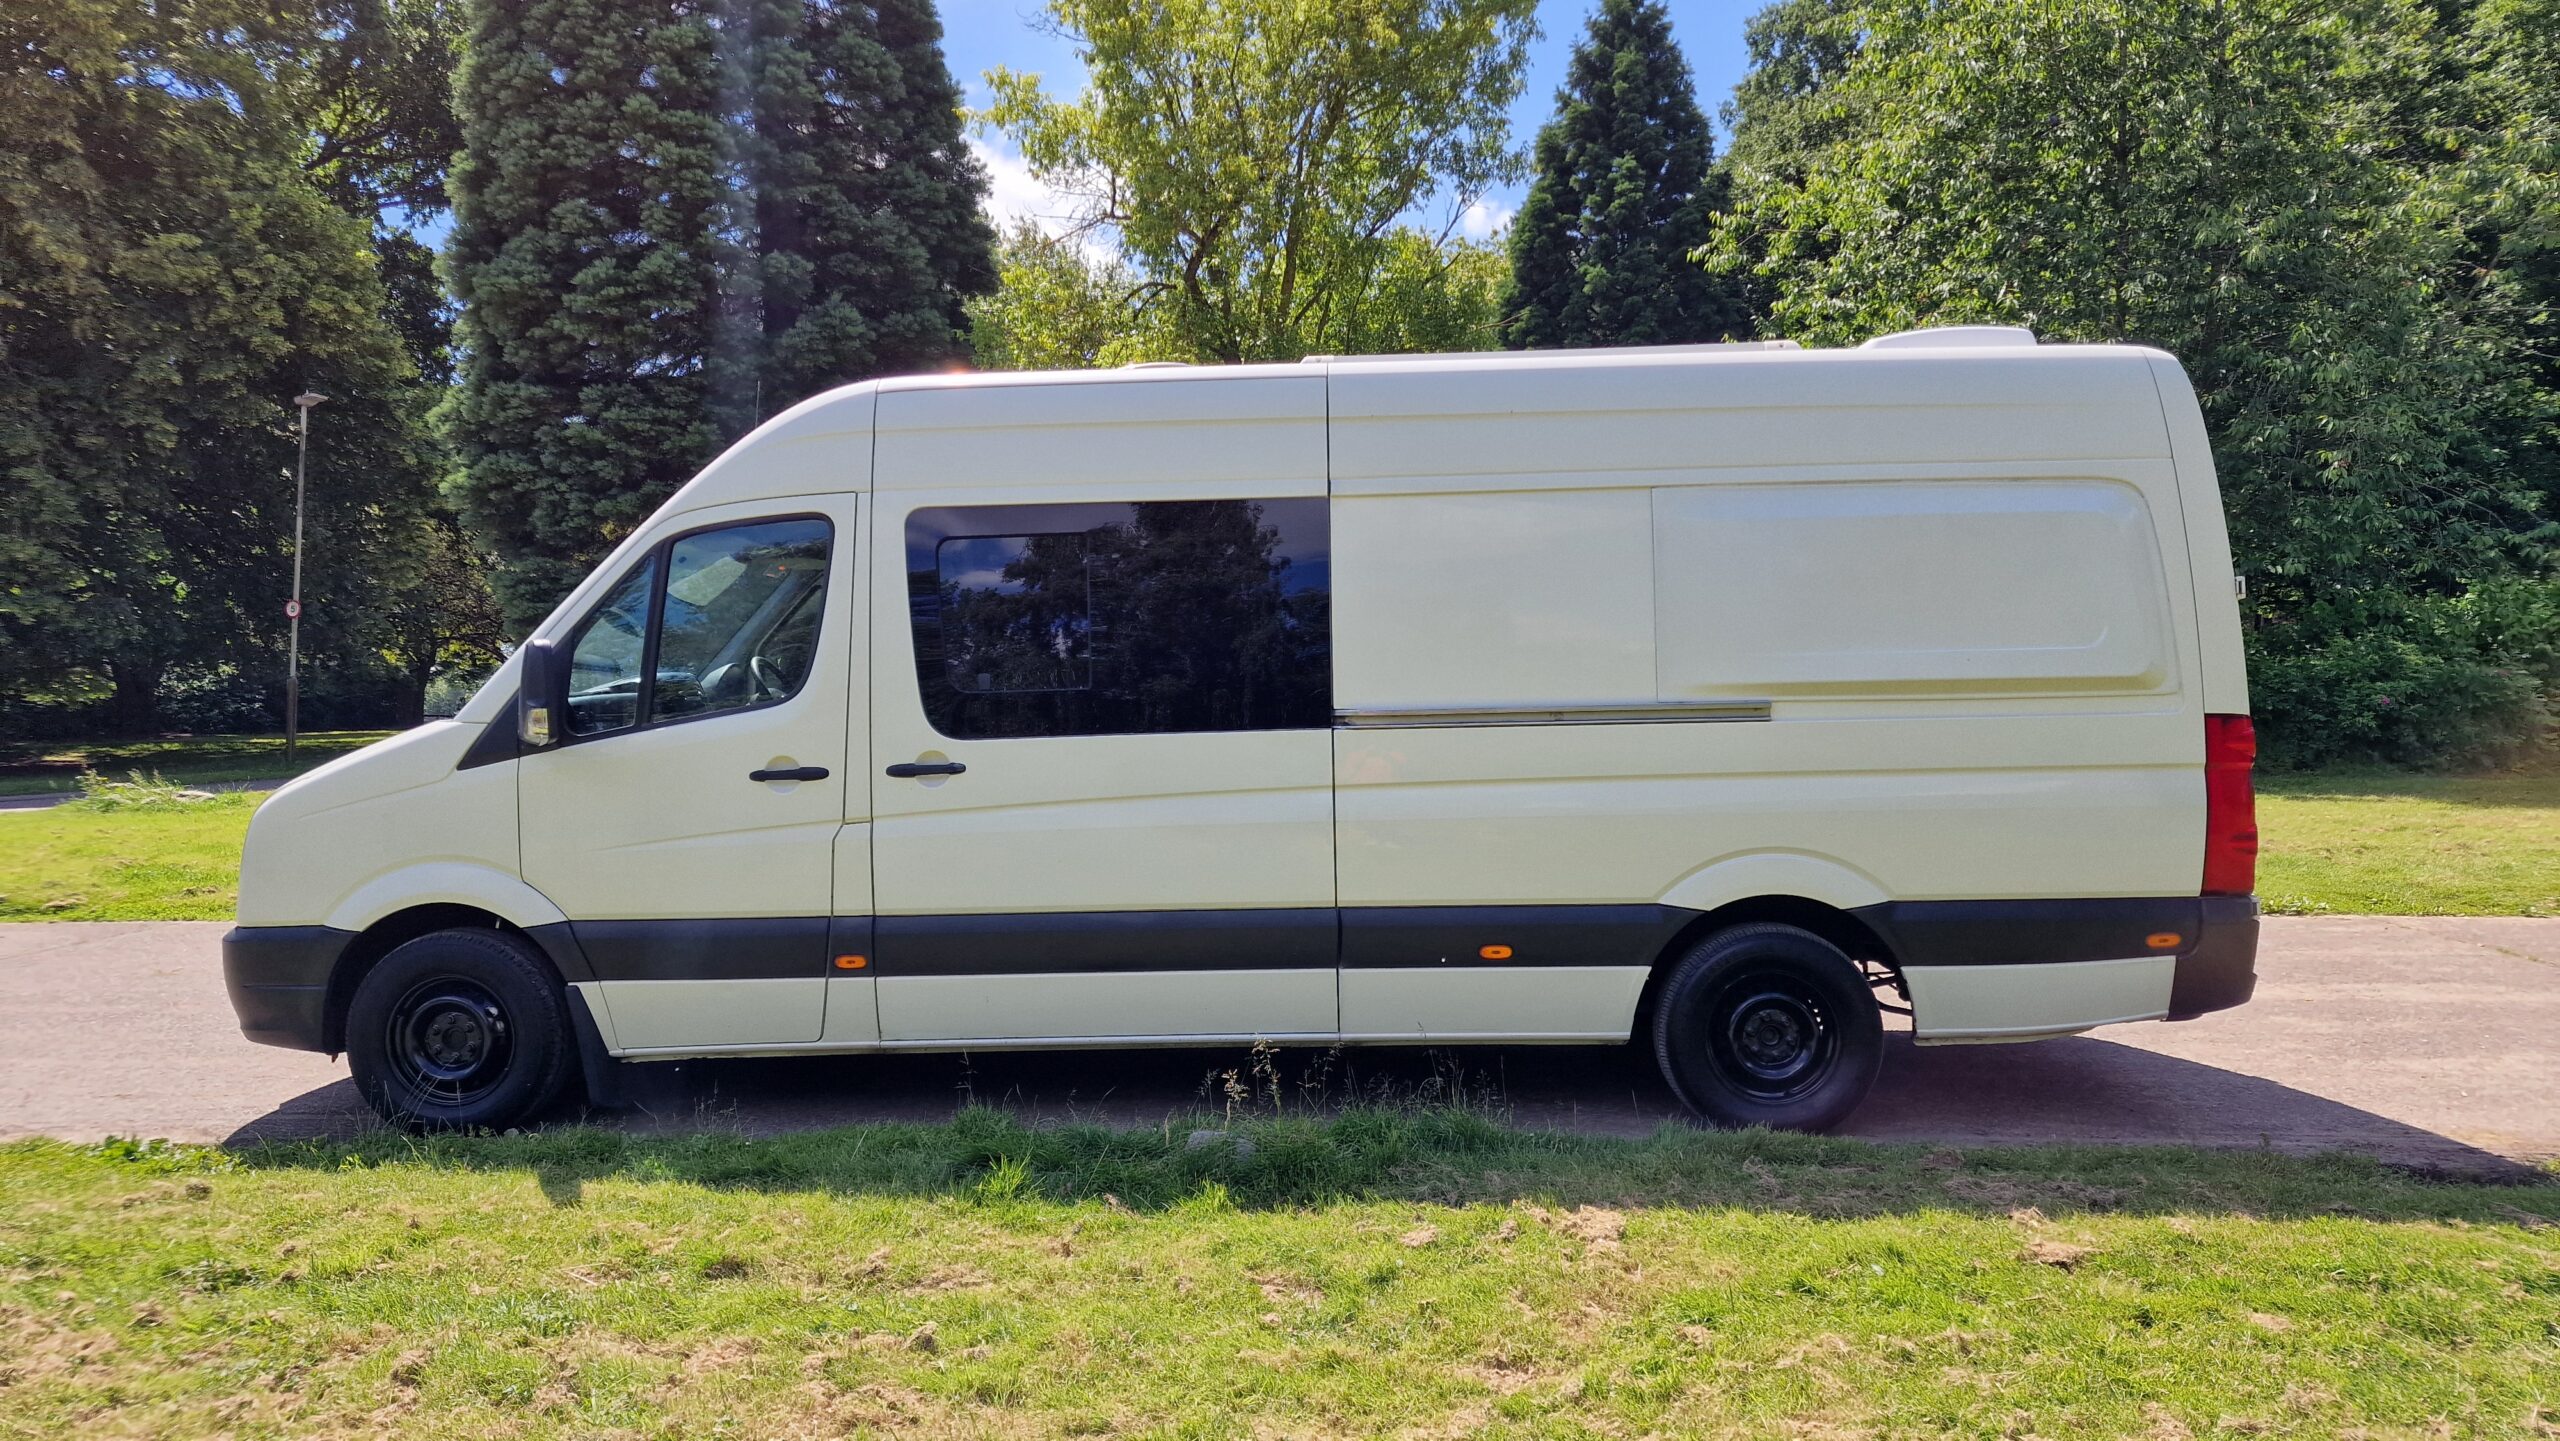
[{"x": 2421, "y": 1041}]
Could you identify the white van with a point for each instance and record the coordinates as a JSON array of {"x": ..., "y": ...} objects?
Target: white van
[{"x": 1714, "y": 696}]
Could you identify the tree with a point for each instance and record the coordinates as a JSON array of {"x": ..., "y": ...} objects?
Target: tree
[
  {"x": 1056, "y": 308},
  {"x": 171, "y": 279},
  {"x": 670, "y": 222},
  {"x": 440, "y": 615},
  {"x": 1625, "y": 189},
  {"x": 2199, "y": 177},
  {"x": 1254, "y": 158},
  {"x": 867, "y": 235}
]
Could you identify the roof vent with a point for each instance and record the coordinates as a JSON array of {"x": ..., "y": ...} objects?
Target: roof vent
[
  {"x": 1955, "y": 337},
  {"x": 1157, "y": 365}
]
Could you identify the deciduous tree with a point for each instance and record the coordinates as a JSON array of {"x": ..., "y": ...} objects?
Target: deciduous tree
[{"x": 1254, "y": 158}]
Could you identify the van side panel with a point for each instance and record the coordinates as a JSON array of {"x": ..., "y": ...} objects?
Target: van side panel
[{"x": 1923, "y": 629}]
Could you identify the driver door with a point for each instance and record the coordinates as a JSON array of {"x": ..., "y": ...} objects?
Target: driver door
[{"x": 686, "y": 821}]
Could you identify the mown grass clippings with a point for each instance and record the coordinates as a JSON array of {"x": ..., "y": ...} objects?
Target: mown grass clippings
[{"x": 1385, "y": 1273}]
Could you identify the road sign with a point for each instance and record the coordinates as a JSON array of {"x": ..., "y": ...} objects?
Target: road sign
[{"x": 293, "y": 610}]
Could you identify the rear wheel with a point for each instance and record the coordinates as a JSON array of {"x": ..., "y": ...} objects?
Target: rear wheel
[
  {"x": 1768, "y": 1025},
  {"x": 459, "y": 1029}
]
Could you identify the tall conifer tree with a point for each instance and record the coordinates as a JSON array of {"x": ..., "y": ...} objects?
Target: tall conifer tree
[
  {"x": 1626, "y": 183},
  {"x": 673, "y": 220}
]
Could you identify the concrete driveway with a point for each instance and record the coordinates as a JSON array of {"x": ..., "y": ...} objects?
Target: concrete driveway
[{"x": 2425, "y": 1042}]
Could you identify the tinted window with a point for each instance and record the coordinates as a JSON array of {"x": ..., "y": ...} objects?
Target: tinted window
[
  {"x": 1051, "y": 620},
  {"x": 739, "y": 623},
  {"x": 735, "y": 625},
  {"x": 609, "y": 656}
]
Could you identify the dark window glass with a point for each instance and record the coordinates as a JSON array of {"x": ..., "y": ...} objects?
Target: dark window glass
[
  {"x": 609, "y": 656},
  {"x": 739, "y": 624},
  {"x": 736, "y": 625},
  {"x": 1064, "y": 620}
]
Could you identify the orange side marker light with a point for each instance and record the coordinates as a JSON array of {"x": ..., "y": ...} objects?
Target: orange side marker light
[
  {"x": 2163, "y": 940},
  {"x": 1495, "y": 953},
  {"x": 852, "y": 963}
]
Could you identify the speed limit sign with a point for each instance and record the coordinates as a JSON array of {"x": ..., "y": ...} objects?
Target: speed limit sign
[{"x": 293, "y": 610}]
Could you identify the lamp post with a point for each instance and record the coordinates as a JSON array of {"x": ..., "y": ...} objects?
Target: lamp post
[{"x": 293, "y": 607}]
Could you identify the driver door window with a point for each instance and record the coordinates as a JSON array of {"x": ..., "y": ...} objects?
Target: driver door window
[{"x": 734, "y": 627}]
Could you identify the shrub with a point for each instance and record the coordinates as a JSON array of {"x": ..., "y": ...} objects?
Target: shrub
[{"x": 2400, "y": 698}]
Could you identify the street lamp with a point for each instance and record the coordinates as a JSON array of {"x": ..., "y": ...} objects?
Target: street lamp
[{"x": 293, "y": 607}]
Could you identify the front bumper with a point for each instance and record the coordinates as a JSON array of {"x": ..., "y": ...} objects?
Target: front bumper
[{"x": 278, "y": 977}]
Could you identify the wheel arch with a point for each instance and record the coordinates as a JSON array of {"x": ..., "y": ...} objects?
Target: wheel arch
[
  {"x": 399, "y": 928},
  {"x": 1832, "y": 923}
]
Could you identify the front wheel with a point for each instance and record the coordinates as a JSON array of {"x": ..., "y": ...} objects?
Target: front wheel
[
  {"x": 459, "y": 1030},
  {"x": 1768, "y": 1025}
]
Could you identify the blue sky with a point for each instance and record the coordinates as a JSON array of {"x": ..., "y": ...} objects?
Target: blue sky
[{"x": 983, "y": 34}]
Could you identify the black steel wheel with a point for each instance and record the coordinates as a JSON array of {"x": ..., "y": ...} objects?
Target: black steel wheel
[
  {"x": 457, "y": 1030},
  {"x": 1768, "y": 1025}
]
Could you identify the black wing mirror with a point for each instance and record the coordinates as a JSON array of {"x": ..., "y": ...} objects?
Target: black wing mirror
[{"x": 542, "y": 695}]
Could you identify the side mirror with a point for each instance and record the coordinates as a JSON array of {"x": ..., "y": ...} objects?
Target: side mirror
[{"x": 541, "y": 694}]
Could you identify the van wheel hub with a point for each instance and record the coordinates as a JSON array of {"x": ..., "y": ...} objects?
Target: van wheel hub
[
  {"x": 1772, "y": 1037},
  {"x": 449, "y": 1039}
]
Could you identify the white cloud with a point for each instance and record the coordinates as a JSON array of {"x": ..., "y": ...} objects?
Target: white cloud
[
  {"x": 1484, "y": 220},
  {"x": 1015, "y": 194}
]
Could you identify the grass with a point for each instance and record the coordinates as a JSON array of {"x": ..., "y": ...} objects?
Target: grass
[
  {"x": 80, "y": 862},
  {"x": 2388, "y": 844},
  {"x": 48, "y": 768},
  {"x": 1385, "y": 1273}
]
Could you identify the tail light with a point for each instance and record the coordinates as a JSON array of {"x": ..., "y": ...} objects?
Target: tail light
[{"x": 2230, "y": 806}]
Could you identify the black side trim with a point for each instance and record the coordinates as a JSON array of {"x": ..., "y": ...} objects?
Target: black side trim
[
  {"x": 498, "y": 740},
  {"x": 2013, "y": 933},
  {"x": 1105, "y": 941},
  {"x": 559, "y": 941},
  {"x": 1382, "y": 936},
  {"x": 278, "y": 977},
  {"x": 727, "y": 949},
  {"x": 2222, "y": 971},
  {"x": 851, "y": 936}
]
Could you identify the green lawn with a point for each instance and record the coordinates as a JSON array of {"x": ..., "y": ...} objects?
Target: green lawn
[
  {"x": 2410, "y": 845},
  {"x": 46, "y": 767},
  {"x": 157, "y": 863},
  {"x": 1383, "y": 1274}
]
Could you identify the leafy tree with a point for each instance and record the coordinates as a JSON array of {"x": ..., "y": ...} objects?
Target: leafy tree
[
  {"x": 440, "y": 616},
  {"x": 1253, "y": 158},
  {"x": 671, "y": 222},
  {"x": 2158, "y": 171},
  {"x": 171, "y": 279},
  {"x": 1428, "y": 296},
  {"x": 1056, "y": 308},
  {"x": 1624, "y": 191},
  {"x": 376, "y": 96}
]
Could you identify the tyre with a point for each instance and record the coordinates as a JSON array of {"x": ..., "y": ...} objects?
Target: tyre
[
  {"x": 458, "y": 1030},
  {"x": 1768, "y": 1025}
]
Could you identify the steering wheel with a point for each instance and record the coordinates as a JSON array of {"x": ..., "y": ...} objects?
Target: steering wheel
[{"x": 768, "y": 684}]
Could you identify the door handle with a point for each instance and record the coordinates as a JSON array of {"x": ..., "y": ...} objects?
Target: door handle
[
  {"x": 905, "y": 770},
  {"x": 790, "y": 773}
]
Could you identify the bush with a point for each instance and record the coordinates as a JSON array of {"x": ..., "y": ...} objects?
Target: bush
[
  {"x": 215, "y": 700},
  {"x": 2405, "y": 698}
]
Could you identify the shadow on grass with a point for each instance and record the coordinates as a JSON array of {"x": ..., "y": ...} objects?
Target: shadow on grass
[{"x": 1258, "y": 1138}]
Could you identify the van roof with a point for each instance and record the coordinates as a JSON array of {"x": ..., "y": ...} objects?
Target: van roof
[{"x": 1983, "y": 380}]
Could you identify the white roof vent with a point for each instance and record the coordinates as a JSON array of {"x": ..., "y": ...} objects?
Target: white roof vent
[{"x": 1954, "y": 337}]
